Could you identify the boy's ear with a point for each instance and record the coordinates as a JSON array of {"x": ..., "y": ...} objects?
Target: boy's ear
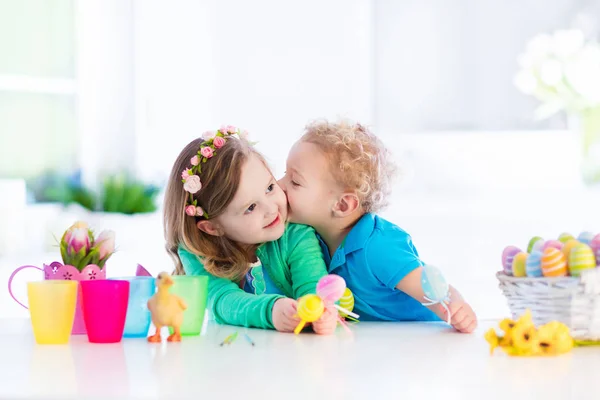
[
  {"x": 209, "y": 227},
  {"x": 346, "y": 205}
]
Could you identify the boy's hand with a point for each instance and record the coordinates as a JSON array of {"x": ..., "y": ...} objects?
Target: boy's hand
[
  {"x": 462, "y": 316},
  {"x": 284, "y": 315},
  {"x": 327, "y": 323}
]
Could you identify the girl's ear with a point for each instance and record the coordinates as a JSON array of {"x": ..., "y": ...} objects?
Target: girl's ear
[
  {"x": 346, "y": 205},
  {"x": 210, "y": 228}
]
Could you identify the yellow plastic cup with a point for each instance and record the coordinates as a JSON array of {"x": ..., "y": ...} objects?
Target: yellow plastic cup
[{"x": 52, "y": 309}]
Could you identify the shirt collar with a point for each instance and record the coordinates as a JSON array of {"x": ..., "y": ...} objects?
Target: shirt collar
[{"x": 359, "y": 234}]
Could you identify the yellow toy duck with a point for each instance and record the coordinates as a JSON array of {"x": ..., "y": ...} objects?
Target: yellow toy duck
[{"x": 166, "y": 309}]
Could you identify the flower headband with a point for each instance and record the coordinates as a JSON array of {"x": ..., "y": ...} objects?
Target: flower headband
[{"x": 213, "y": 140}]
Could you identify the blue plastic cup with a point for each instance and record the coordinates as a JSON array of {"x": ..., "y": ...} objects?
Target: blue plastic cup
[{"x": 138, "y": 320}]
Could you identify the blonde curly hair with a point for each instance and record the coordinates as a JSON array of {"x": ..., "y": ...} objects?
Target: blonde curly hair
[{"x": 358, "y": 160}]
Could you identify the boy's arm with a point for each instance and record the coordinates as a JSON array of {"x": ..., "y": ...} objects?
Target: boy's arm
[{"x": 228, "y": 303}]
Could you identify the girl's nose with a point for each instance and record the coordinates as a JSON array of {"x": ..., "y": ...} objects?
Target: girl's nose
[{"x": 281, "y": 184}]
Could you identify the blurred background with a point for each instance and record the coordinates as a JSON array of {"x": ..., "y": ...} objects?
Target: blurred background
[{"x": 491, "y": 109}]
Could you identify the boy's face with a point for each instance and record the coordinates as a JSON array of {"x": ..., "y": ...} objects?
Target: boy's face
[{"x": 311, "y": 190}]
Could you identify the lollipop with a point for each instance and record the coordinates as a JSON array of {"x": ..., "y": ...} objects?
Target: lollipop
[
  {"x": 331, "y": 288},
  {"x": 436, "y": 288},
  {"x": 310, "y": 309}
]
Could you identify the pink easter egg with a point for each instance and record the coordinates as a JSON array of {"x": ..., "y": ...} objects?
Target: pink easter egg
[
  {"x": 331, "y": 288},
  {"x": 554, "y": 244},
  {"x": 508, "y": 254},
  {"x": 595, "y": 245}
]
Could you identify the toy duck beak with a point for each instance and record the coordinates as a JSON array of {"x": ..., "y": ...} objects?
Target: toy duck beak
[{"x": 167, "y": 280}]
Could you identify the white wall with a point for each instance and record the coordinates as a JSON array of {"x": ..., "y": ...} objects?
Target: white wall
[
  {"x": 267, "y": 66},
  {"x": 443, "y": 65}
]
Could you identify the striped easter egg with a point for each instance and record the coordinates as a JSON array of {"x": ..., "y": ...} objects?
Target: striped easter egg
[
  {"x": 534, "y": 242},
  {"x": 508, "y": 254},
  {"x": 595, "y": 245},
  {"x": 568, "y": 247},
  {"x": 552, "y": 243},
  {"x": 585, "y": 237},
  {"x": 519, "y": 268},
  {"x": 565, "y": 237},
  {"x": 347, "y": 302},
  {"x": 533, "y": 266},
  {"x": 580, "y": 259},
  {"x": 554, "y": 263}
]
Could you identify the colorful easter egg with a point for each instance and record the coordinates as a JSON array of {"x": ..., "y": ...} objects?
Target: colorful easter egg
[
  {"x": 554, "y": 263},
  {"x": 434, "y": 284},
  {"x": 585, "y": 237},
  {"x": 347, "y": 302},
  {"x": 568, "y": 247},
  {"x": 508, "y": 254},
  {"x": 580, "y": 259},
  {"x": 519, "y": 267},
  {"x": 552, "y": 243},
  {"x": 533, "y": 241},
  {"x": 330, "y": 288},
  {"x": 565, "y": 237},
  {"x": 533, "y": 266},
  {"x": 595, "y": 245}
]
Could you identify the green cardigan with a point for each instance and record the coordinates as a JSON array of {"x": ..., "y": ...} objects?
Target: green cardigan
[{"x": 294, "y": 262}]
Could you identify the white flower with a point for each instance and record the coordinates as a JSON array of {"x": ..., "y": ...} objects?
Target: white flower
[
  {"x": 192, "y": 184},
  {"x": 567, "y": 42},
  {"x": 209, "y": 135},
  {"x": 551, "y": 72},
  {"x": 540, "y": 46},
  {"x": 583, "y": 74},
  {"x": 526, "y": 82}
]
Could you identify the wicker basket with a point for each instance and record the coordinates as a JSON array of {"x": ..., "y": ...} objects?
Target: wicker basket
[{"x": 573, "y": 301}]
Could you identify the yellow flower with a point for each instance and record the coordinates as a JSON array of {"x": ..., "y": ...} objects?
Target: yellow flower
[
  {"x": 554, "y": 338},
  {"x": 507, "y": 325},
  {"x": 492, "y": 339},
  {"x": 524, "y": 338}
]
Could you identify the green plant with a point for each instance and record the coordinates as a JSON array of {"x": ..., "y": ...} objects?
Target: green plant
[{"x": 126, "y": 195}]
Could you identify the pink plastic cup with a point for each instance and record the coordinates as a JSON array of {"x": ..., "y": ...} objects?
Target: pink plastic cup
[{"x": 105, "y": 309}]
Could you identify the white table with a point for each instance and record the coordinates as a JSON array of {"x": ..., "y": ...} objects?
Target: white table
[{"x": 380, "y": 360}]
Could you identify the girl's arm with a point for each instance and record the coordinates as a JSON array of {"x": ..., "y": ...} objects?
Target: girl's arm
[
  {"x": 305, "y": 259},
  {"x": 228, "y": 303}
]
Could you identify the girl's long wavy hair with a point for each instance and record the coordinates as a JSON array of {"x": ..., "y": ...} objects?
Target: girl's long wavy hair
[{"x": 220, "y": 178}]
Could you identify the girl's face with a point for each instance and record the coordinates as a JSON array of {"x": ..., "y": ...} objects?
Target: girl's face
[
  {"x": 310, "y": 188},
  {"x": 258, "y": 211}
]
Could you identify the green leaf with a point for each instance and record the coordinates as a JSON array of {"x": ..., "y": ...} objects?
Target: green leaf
[
  {"x": 88, "y": 258},
  {"x": 204, "y": 160},
  {"x": 63, "y": 251}
]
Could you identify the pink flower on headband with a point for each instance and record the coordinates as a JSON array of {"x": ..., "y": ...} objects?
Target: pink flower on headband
[
  {"x": 208, "y": 135},
  {"x": 243, "y": 135},
  {"x": 206, "y": 152},
  {"x": 231, "y": 129},
  {"x": 192, "y": 184},
  {"x": 190, "y": 210},
  {"x": 186, "y": 174},
  {"x": 199, "y": 211},
  {"x": 219, "y": 142},
  {"x": 195, "y": 160}
]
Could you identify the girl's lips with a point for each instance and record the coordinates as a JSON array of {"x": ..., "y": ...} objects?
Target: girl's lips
[{"x": 275, "y": 222}]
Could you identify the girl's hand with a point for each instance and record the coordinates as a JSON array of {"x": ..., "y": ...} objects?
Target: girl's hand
[
  {"x": 284, "y": 315},
  {"x": 327, "y": 323}
]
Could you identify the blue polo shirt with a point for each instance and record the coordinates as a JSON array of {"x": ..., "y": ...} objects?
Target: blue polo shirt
[{"x": 373, "y": 258}]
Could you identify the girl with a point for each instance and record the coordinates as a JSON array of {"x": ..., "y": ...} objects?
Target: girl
[
  {"x": 225, "y": 217},
  {"x": 337, "y": 179}
]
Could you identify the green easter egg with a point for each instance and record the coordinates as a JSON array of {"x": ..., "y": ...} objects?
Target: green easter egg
[
  {"x": 532, "y": 242},
  {"x": 581, "y": 258},
  {"x": 519, "y": 265},
  {"x": 565, "y": 237}
]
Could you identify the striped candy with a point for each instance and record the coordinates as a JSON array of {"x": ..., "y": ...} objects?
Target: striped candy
[
  {"x": 552, "y": 243},
  {"x": 347, "y": 302},
  {"x": 519, "y": 265},
  {"x": 565, "y": 237},
  {"x": 585, "y": 237},
  {"x": 554, "y": 262},
  {"x": 595, "y": 245},
  {"x": 569, "y": 246},
  {"x": 508, "y": 254},
  {"x": 580, "y": 259},
  {"x": 533, "y": 266},
  {"x": 534, "y": 242}
]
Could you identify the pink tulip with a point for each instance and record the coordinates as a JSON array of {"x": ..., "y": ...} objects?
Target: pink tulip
[
  {"x": 77, "y": 237},
  {"x": 106, "y": 244}
]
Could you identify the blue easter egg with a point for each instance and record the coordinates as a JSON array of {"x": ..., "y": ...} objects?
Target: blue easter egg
[
  {"x": 434, "y": 285},
  {"x": 585, "y": 237},
  {"x": 533, "y": 265}
]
